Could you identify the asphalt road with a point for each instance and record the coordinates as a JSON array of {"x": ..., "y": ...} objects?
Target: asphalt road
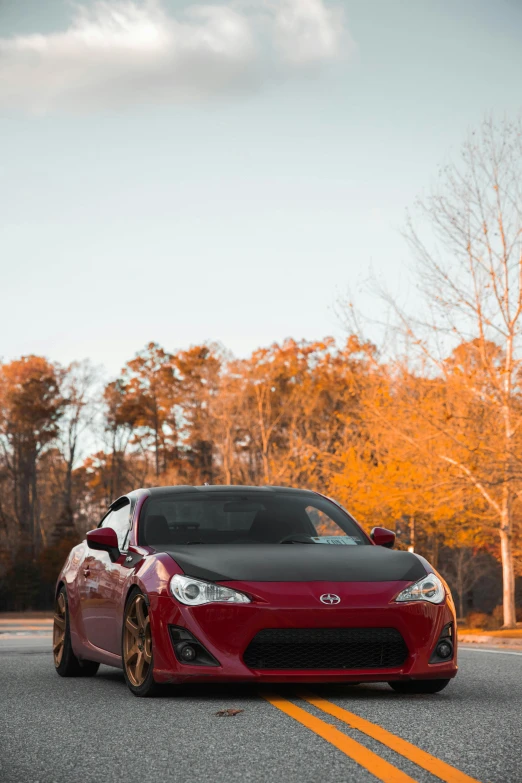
[{"x": 55, "y": 730}]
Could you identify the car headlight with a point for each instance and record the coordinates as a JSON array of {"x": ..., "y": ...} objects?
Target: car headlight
[
  {"x": 195, "y": 592},
  {"x": 429, "y": 588}
]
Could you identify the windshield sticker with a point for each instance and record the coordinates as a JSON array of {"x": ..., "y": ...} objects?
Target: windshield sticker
[{"x": 343, "y": 540}]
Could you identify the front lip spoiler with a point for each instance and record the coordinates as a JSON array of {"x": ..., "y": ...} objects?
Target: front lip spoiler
[{"x": 256, "y": 677}]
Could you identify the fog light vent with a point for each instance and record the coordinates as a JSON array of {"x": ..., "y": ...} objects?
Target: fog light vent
[
  {"x": 444, "y": 649},
  {"x": 188, "y": 649}
]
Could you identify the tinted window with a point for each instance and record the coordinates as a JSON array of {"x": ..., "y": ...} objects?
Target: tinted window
[
  {"x": 245, "y": 517},
  {"x": 119, "y": 521}
]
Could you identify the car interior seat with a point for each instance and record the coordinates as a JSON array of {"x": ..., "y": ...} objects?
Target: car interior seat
[
  {"x": 157, "y": 530},
  {"x": 269, "y": 529}
]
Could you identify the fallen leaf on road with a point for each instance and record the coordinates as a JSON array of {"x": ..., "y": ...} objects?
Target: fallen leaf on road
[{"x": 228, "y": 713}]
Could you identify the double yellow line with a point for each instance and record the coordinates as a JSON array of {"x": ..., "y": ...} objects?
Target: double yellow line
[{"x": 378, "y": 767}]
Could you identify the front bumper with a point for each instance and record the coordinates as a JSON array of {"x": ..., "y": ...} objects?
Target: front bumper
[{"x": 225, "y": 631}]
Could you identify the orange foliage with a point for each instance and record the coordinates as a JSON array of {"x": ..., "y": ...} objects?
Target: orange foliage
[{"x": 314, "y": 414}]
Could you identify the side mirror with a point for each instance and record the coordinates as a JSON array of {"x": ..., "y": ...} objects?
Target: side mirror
[
  {"x": 104, "y": 539},
  {"x": 383, "y": 537}
]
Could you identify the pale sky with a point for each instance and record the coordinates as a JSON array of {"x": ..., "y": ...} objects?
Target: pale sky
[{"x": 182, "y": 172}]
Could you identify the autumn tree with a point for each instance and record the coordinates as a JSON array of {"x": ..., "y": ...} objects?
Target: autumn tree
[
  {"x": 229, "y": 425},
  {"x": 275, "y": 380},
  {"x": 198, "y": 375},
  {"x": 319, "y": 388},
  {"x": 149, "y": 390},
  {"x": 466, "y": 237},
  {"x": 30, "y": 409},
  {"x": 79, "y": 385},
  {"x": 108, "y": 467}
]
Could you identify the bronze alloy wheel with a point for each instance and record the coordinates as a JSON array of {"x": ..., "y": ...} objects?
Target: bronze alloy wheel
[
  {"x": 137, "y": 641},
  {"x": 59, "y": 628}
]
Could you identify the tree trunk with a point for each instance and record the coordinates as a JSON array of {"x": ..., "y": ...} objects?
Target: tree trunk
[
  {"x": 25, "y": 501},
  {"x": 460, "y": 585},
  {"x": 227, "y": 458},
  {"x": 35, "y": 512},
  {"x": 266, "y": 467},
  {"x": 508, "y": 575},
  {"x": 460, "y": 598},
  {"x": 156, "y": 448},
  {"x": 226, "y": 465},
  {"x": 66, "y": 522}
]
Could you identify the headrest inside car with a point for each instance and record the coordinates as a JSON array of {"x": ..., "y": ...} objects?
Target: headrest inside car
[{"x": 157, "y": 530}]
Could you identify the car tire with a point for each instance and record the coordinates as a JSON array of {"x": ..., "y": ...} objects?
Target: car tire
[
  {"x": 65, "y": 661},
  {"x": 136, "y": 646},
  {"x": 419, "y": 686}
]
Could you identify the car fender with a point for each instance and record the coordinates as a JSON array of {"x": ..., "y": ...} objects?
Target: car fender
[
  {"x": 152, "y": 577},
  {"x": 69, "y": 577}
]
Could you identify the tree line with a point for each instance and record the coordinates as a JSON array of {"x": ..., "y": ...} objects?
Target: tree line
[
  {"x": 421, "y": 432},
  {"x": 327, "y": 416}
]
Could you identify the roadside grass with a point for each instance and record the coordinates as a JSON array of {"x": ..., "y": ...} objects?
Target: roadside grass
[
  {"x": 6, "y": 617},
  {"x": 513, "y": 633}
]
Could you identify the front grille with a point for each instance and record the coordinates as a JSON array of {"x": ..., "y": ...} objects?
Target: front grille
[{"x": 326, "y": 648}]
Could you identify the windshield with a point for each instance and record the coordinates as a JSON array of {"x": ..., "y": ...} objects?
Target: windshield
[{"x": 245, "y": 517}]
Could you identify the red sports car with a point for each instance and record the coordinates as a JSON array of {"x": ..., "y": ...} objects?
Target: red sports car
[{"x": 249, "y": 584}]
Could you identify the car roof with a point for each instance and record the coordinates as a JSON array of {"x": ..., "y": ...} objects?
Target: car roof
[{"x": 223, "y": 488}]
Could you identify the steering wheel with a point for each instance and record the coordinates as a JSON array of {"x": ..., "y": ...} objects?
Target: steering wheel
[{"x": 296, "y": 538}]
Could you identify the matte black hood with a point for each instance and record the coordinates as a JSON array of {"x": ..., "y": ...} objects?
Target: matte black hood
[{"x": 296, "y": 563}]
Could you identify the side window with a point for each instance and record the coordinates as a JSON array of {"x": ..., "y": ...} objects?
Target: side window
[{"x": 119, "y": 521}]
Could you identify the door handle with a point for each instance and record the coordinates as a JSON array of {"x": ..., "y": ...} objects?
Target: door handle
[{"x": 86, "y": 571}]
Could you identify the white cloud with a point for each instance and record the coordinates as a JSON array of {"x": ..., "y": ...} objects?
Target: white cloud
[
  {"x": 306, "y": 31},
  {"x": 116, "y": 53}
]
